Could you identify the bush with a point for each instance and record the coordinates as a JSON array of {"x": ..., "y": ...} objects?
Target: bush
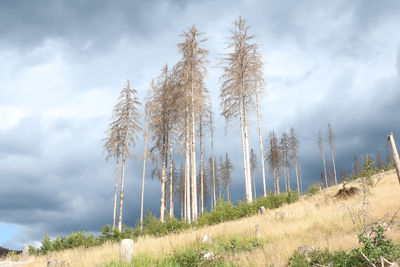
[{"x": 313, "y": 189}]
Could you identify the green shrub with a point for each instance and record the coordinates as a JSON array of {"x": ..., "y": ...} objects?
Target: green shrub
[{"x": 313, "y": 189}]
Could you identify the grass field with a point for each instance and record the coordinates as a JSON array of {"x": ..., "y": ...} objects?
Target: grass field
[{"x": 319, "y": 220}]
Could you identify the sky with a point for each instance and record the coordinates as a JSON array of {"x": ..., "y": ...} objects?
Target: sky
[{"x": 63, "y": 64}]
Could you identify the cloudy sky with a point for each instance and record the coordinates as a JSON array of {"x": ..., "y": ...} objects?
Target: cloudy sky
[{"x": 63, "y": 63}]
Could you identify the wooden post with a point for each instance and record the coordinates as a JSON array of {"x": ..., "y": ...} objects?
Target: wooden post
[{"x": 395, "y": 155}]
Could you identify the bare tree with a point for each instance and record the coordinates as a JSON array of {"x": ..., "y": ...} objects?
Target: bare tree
[
  {"x": 285, "y": 150},
  {"x": 321, "y": 149},
  {"x": 253, "y": 167},
  {"x": 146, "y": 134},
  {"x": 379, "y": 162},
  {"x": 331, "y": 139},
  {"x": 389, "y": 154},
  {"x": 112, "y": 146},
  {"x": 225, "y": 175},
  {"x": 274, "y": 160},
  {"x": 241, "y": 80},
  {"x": 192, "y": 71},
  {"x": 212, "y": 176},
  {"x": 294, "y": 149},
  {"x": 126, "y": 117}
]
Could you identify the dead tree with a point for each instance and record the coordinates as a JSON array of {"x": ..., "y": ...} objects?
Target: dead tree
[{"x": 395, "y": 155}]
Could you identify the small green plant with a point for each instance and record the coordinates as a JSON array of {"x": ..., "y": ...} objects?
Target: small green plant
[{"x": 313, "y": 189}]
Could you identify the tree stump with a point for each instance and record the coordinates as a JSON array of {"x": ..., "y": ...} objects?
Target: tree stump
[
  {"x": 126, "y": 250},
  {"x": 262, "y": 210},
  {"x": 25, "y": 253}
]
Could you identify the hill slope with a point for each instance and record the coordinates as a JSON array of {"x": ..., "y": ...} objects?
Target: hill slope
[{"x": 320, "y": 220}]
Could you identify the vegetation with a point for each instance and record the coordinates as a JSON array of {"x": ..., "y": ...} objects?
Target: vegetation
[{"x": 373, "y": 247}]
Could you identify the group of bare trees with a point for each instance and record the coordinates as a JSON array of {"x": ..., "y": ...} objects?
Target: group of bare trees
[
  {"x": 281, "y": 155},
  {"x": 327, "y": 176},
  {"x": 178, "y": 116}
]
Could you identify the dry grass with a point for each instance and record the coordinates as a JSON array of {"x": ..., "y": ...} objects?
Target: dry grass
[{"x": 319, "y": 220}]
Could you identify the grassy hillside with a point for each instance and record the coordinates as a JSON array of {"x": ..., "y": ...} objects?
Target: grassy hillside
[{"x": 319, "y": 220}]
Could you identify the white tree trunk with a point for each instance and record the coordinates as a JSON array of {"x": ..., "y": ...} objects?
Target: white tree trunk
[
  {"x": 278, "y": 190},
  {"x": 193, "y": 169},
  {"x": 201, "y": 168},
  {"x": 171, "y": 182},
  {"x": 115, "y": 193},
  {"x": 121, "y": 196},
  {"x": 334, "y": 165},
  {"x": 395, "y": 155},
  {"x": 187, "y": 172},
  {"x": 214, "y": 199},
  {"x": 163, "y": 174},
  {"x": 246, "y": 139},
  {"x": 261, "y": 145},
  {"x": 143, "y": 175},
  {"x": 244, "y": 151},
  {"x": 297, "y": 176}
]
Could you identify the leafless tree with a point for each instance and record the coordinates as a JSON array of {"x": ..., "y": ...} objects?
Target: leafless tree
[
  {"x": 126, "y": 117},
  {"x": 294, "y": 149},
  {"x": 146, "y": 135},
  {"x": 331, "y": 139},
  {"x": 284, "y": 145},
  {"x": 112, "y": 147},
  {"x": 321, "y": 149},
  {"x": 379, "y": 162},
  {"x": 192, "y": 69},
  {"x": 241, "y": 80},
  {"x": 274, "y": 160}
]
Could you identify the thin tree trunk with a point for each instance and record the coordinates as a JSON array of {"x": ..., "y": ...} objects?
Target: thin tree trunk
[
  {"x": 163, "y": 174},
  {"x": 171, "y": 178},
  {"x": 301, "y": 181},
  {"x": 214, "y": 199},
  {"x": 285, "y": 178},
  {"x": 297, "y": 176},
  {"x": 395, "y": 155},
  {"x": 201, "y": 167},
  {"x": 143, "y": 175},
  {"x": 334, "y": 165},
  {"x": 288, "y": 177},
  {"x": 254, "y": 186},
  {"x": 278, "y": 190},
  {"x": 326, "y": 178},
  {"x": 261, "y": 145},
  {"x": 121, "y": 197},
  {"x": 115, "y": 193}
]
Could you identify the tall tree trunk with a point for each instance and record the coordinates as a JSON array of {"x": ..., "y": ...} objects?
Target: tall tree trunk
[
  {"x": 285, "y": 178},
  {"x": 301, "y": 182},
  {"x": 163, "y": 180},
  {"x": 246, "y": 139},
  {"x": 121, "y": 196},
  {"x": 214, "y": 199},
  {"x": 115, "y": 193},
  {"x": 187, "y": 171},
  {"x": 334, "y": 165},
  {"x": 261, "y": 145},
  {"x": 244, "y": 151},
  {"x": 395, "y": 155},
  {"x": 171, "y": 178},
  {"x": 274, "y": 181},
  {"x": 201, "y": 167},
  {"x": 193, "y": 161},
  {"x": 143, "y": 175}
]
